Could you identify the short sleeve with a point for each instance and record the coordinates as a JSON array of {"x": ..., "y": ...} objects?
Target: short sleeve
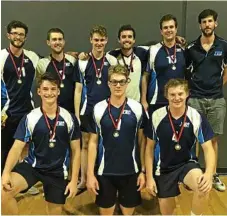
[
  {"x": 22, "y": 133},
  {"x": 149, "y": 130},
  {"x": 78, "y": 74},
  {"x": 93, "y": 125},
  {"x": 75, "y": 132}
]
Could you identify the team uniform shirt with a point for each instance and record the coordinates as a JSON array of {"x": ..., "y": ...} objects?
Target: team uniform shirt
[
  {"x": 196, "y": 128},
  {"x": 19, "y": 96},
  {"x": 118, "y": 155},
  {"x": 3, "y": 95},
  {"x": 34, "y": 130},
  {"x": 138, "y": 61},
  {"x": 66, "y": 97},
  {"x": 206, "y": 68},
  {"x": 160, "y": 69},
  {"x": 92, "y": 92}
]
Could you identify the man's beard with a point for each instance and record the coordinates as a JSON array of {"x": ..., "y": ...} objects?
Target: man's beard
[
  {"x": 17, "y": 46},
  {"x": 58, "y": 52},
  {"x": 208, "y": 34}
]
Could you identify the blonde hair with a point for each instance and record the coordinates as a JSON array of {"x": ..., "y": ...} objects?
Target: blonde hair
[
  {"x": 99, "y": 29},
  {"x": 118, "y": 69}
]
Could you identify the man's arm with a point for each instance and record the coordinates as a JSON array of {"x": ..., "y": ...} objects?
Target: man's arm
[
  {"x": 92, "y": 153},
  {"x": 225, "y": 76},
  {"x": 149, "y": 158},
  {"x": 145, "y": 78},
  {"x": 142, "y": 144},
  {"x": 77, "y": 99}
]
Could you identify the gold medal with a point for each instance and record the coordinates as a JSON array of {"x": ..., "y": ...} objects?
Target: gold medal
[
  {"x": 62, "y": 85},
  {"x": 51, "y": 145},
  {"x": 174, "y": 67},
  {"x": 178, "y": 147},
  {"x": 19, "y": 81},
  {"x": 116, "y": 134},
  {"x": 99, "y": 82}
]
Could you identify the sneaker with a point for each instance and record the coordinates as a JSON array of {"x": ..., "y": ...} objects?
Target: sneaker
[
  {"x": 218, "y": 184},
  {"x": 33, "y": 191}
]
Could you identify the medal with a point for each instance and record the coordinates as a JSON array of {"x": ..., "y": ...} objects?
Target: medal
[
  {"x": 52, "y": 131},
  {"x": 51, "y": 145},
  {"x": 177, "y": 146},
  {"x": 116, "y": 134},
  {"x": 99, "y": 82},
  {"x": 62, "y": 85},
  {"x": 98, "y": 71},
  {"x": 62, "y": 74},
  {"x": 174, "y": 67},
  {"x": 172, "y": 57},
  {"x": 116, "y": 123},
  {"x": 19, "y": 81},
  {"x": 129, "y": 67}
]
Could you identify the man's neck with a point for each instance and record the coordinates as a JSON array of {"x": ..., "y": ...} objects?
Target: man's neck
[
  {"x": 50, "y": 109},
  {"x": 169, "y": 43},
  {"x": 126, "y": 52},
  {"x": 15, "y": 51},
  {"x": 97, "y": 55},
  {"x": 57, "y": 56},
  {"x": 117, "y": 101},
  {"x": 207, "y": 40},
  {"x": 177, "y": 113}
]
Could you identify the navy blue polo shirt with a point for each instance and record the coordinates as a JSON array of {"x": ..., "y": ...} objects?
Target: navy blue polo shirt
[
  {"x": 118, "y": 155},
  {"x": 196, "y": 128},
  {"x": 206, "y": 68},
  {"x": 34, "y": 130}
]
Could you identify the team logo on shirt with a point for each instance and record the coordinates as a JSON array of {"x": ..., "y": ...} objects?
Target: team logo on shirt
[
  {"x": 61, "y": 123},
  {"x": 178, "y": 50},
  {"x": 186, "y": 124},
  {"x": 127, "y": 112},
  {"x": 106, "y": 63},
  {"x": 26, "y": 60},
  {"x": 67, "y": 64},
  {"x": 218, "y": 53}
]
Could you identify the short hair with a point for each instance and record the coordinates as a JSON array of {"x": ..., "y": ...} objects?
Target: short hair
[
  {"x": 118, "y": 69},
  {"x": 54, "y": 30},
  {"x": 207, "y": 12},
  {"x": 48, "y": 77},
  {"x": 175, "y": 83},
  {"x": 17, "y": 24},
  {"x": 126, "y": 28},
  {"x": 99, "y": 29},
  {"x": 168, "y": 17}
]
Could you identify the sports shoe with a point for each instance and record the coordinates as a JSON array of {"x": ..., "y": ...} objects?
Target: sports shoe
[
  {"x": 217, "y": 183},
  {"x": 33, "y": 191}
]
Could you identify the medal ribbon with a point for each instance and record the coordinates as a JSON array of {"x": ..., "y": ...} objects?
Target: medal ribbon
[
  {"x": 182, "y": 126},
  {"x": 174, "y": 55},
  {"x": 52, "y": 132},
  {"x": 130, "y": 66},
  {"x": 115, "y": 123},
  {"x": 56, "y": 69},
  {"x": 14, "y": 64},
  {"x": 98, "y": 73}
]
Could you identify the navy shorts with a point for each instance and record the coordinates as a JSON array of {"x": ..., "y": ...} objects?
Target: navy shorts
[
  {"x": 126, "y": 186},
  {"x": 54, "y": 187}
]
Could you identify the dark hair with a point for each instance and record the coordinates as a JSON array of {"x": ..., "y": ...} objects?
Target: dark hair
[
  {"x": 207, "y": 12},
  {"x": 175, "y": 83},
  {"x": 126, "y": 28},
  {"x": 49, "y": 77},
  {"x": 54, "y": 30},
  {"x": 17, "y": 24},
  {"x": 168, "y": 17},
  {"x": 99, "y": 29}
]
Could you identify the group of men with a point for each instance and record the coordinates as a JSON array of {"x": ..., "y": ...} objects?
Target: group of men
[{"x": 123, "y": 148}]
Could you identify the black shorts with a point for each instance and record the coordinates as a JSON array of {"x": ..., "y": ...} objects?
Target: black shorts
[
  {"x": 126, "y": 186},
  {"x": 168, "y": 183},
  {"x": 86, "y": 121},
  {"x": 54, "y": 187}
]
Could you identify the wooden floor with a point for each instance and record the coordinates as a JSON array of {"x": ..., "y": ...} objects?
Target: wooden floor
[{"x": 84, "y": 204}]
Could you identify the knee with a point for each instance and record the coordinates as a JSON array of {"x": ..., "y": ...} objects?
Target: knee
[
  {"x": 85, "y": 144},
  {"x": 5, "y": 197},
  {"x": 200, "y": 194}
]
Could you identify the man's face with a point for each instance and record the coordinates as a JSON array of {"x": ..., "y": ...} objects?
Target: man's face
[
  {"x": 177, "y": 97},
  {"x": 17, "y": 37},
  {"x": 208, "y": 26},
  {"x": 98, "y": 42},
  {"x": 48, "y": 92},
  {"x": 169, "y": 30},
  {"x": 126, "y": 40},
  {"x": 56, "y": 42},
  {"x": 118, "y": 84}
]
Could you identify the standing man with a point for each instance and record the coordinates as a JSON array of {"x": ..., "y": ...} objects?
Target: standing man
[
  {"x": 61, "y": 65},
  {"x": 207, "y": 64},
  {"x": 17, "y": 74},
  {"x": 116, "y": 142},
  {"x": 133, "y": 58},
  {"x": 53, "y": 134},
  {"x": 173, "y": 134},
  {"x": 91, "y": 87},
  {"x": 166, "y": 60}
]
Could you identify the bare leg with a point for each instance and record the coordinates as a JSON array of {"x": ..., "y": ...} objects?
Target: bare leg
[
  {"x": 107, "y": 211},
  {"x": 167, "y": 205},
  {"x": 215, "y": 146},
  {"x": 127, "y": 211},
  {"x": 54, "y": 209}
]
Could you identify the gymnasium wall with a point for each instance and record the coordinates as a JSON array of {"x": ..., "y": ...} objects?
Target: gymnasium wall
[{"x": 77, "y": 18}]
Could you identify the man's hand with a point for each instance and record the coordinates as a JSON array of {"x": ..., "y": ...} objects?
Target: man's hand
[
  {"x": 205, "y": 182},
  {"x": 7, "y": 182},
  {"x": 3, "y": 120},
  {"x": 145, "y": 105},
  {"x": 182, "y": 41},
  {"x": 151, "y": 187},
  {"x": 92, "y": 184},
  {"x": 74, "y": 54},
  {"x": 141, "y": 182},
  {"x": 83, "y": 56},
  {"x": 72, "y": 189}
]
